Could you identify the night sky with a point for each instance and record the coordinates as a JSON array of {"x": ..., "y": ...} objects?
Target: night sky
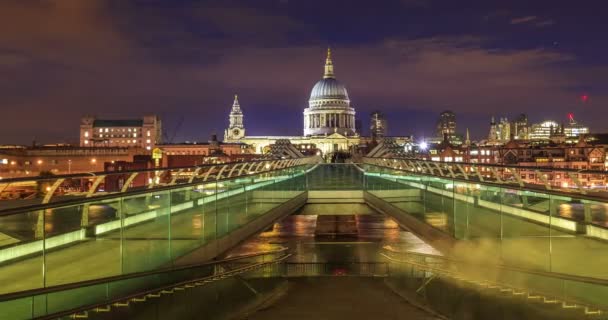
[{"x": 411, "y": 59}]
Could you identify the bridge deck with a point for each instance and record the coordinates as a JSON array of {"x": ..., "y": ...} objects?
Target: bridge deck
[{"x": 340, "y": 298}]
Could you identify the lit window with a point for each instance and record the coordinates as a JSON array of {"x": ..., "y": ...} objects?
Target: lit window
[
  {"x": 86, "y": 134},
  {"x": 148, "y": 133},
  {"x": 100, "y": 129},
  {"x": 135, "y": 135},
  {"x": 39, "y": 161},
  {"x": 148, "y": 148},
  {"x": 147, "y": 140},
  {"x": 4, "y": 161},
  {"x": 106, "y": 130},
  {"x": 86, "y": 141}
]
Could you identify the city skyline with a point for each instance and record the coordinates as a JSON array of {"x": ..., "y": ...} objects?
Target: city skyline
[{"x": 116, "y": 59}]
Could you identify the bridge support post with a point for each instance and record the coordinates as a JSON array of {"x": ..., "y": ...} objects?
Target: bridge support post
[
  {"x": 39, "y": 229},
  {"x": 84, "y": 216},
  {"x": 588, "y": 218},
  {"x": 524, "y": 201}
]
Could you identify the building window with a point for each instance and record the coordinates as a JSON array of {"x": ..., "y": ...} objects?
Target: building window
[
  {"x": 4, "y": 161},
  {"x": 148, "y": 133},
  {"x": 106, "y": 130},
  {"x": 86, "y": 134}
]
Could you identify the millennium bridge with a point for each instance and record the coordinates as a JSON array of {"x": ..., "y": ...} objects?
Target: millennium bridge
[{"x": 298, "y": 238}]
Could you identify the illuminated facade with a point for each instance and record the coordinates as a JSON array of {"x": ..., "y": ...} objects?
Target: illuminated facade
[
  {"x": 329, "y": 120},
  {"x": 446, "y": 124},
  {"x": 236, "y": 128},
  {"x": 575, "y": 129},
  {"x": 377, "y": 125},
  {"x": 500, "y": 132},
  {"x": 329, "y": 108},
  {"x": 142, "y": 133},
  {"x": 543, "y": 130},
  {"x": 31, "y": 161}
]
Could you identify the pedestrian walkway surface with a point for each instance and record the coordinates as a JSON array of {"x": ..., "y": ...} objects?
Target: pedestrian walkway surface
[{"x": 340, "y": 298}]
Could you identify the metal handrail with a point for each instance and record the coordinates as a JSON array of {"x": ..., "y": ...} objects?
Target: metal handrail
[
  {"x": 86, "y": 283},
  {"x": 232, "y": 272},
  {"x": 454, "y": 274},
  {"x": 548, "y": 274},
  {"x": 528, "y": 187},
  {"x": 582, "y": 171},
  {"x": 62, "y": 203},
  {"x": 97, "y": 173}
]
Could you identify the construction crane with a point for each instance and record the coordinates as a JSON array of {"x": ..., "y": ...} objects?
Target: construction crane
[{"x": 169, "y": 136}]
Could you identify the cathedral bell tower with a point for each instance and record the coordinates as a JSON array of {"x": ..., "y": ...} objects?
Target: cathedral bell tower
[{"x": 236, "y": 129}]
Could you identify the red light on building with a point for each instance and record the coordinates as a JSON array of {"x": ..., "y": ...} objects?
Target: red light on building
[
  {"x": 584, "y": 98},
  {"x": 571, "y": 116}
]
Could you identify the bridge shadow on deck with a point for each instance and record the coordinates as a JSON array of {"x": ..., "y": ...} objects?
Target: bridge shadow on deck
[{"x": 340, "y": 298}]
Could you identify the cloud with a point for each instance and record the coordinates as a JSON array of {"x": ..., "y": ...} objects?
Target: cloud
[
  {"x": 525, "y": 19},
  {"x": 532, "y": 21},
  {"x": 423, "y": 73},
  {"x": 61, "y": 59},
  {"x": 545, "y": 23}
]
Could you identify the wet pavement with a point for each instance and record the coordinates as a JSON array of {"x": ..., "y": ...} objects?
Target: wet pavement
[{"x": 361, "y": 241}]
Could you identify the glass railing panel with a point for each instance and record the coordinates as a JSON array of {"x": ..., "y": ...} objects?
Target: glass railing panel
[
  {"x": 465, "y": 201},
  {"x": 438, "y": 198},
  {"x": 78, "y": 237},
  {"x": 76, "y": 297},
  {"x": 575, "y": 238},
  {"x": 525, "y": 229},
  {"x": 21, "y": 251},
  {"x": 146, "y": 231},
  {"x": 335, "y": 177},
  {"x": 231, "y": 210},
  {"x": 187, "y": 219},
  {"x": 18, "y": 309},
  {"x": 207, "y": 215}
]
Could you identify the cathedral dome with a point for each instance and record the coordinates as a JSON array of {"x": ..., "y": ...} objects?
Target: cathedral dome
[
  {"x": 329, "y": 109},
  {"x": 329, "y": 88}
]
